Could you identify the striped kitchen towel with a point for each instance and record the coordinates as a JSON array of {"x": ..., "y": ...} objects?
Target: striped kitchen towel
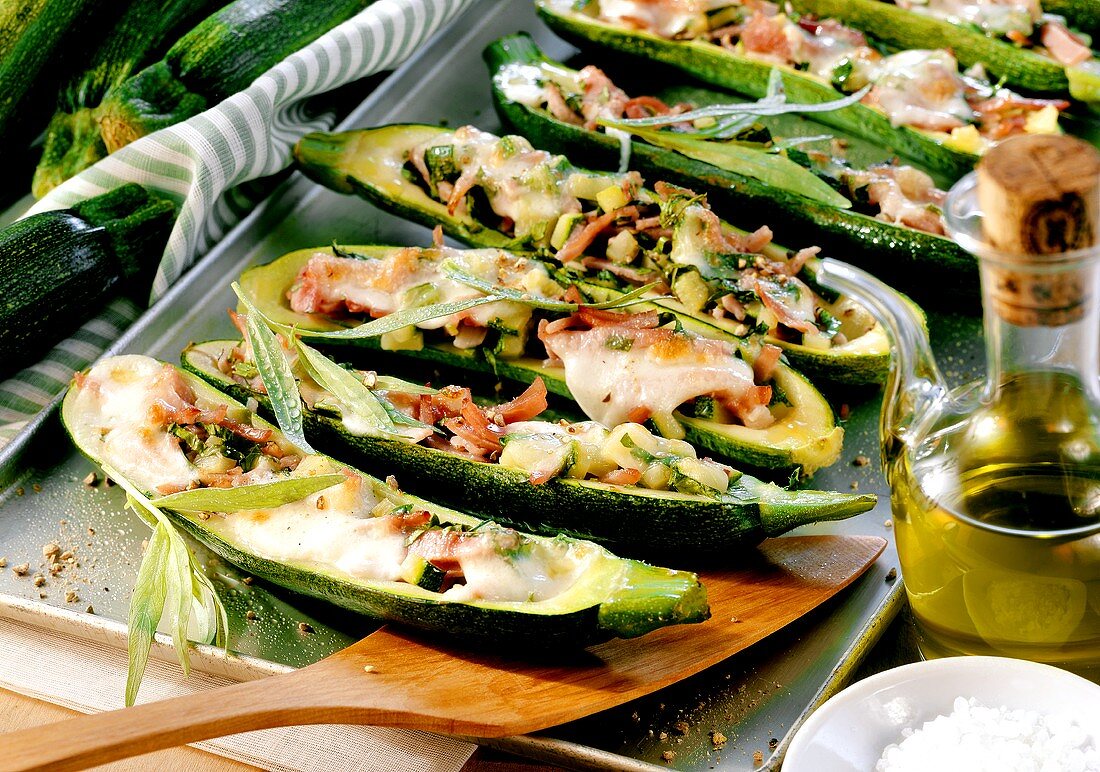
[{"x": 198, "y": 162}]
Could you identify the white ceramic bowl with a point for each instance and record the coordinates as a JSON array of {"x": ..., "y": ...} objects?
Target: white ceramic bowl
[{"x": 849, "y": 732}]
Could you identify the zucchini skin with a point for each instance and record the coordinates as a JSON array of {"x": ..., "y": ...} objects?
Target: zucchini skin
[
  {"x": 144, "y": 32},
  {"x": 817, "y": 446},
  {"x": 629, "y": 521},
  {"x": 905, "y": 29},
  {"x": 221, "y": 56},
  {"x": 1081, "y": 14},
  {"x": 637, "y": 598},
  {"x": 41, "y": 43},
  {"x": 715, "y": 65},
  {"x": 900, "y": 255},
  {"x": 58, "y": 268}
]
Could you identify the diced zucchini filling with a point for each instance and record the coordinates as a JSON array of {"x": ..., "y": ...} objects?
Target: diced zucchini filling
[
  {"x": 501, "y": 181},
  {"x": 591, "y": 451}
]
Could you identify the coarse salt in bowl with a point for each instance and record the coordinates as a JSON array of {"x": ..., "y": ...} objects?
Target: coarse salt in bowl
[{"x": 959, "y": 713}]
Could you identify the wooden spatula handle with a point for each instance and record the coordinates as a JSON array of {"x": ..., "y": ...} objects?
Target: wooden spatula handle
[{"x": 301, "y": 697}]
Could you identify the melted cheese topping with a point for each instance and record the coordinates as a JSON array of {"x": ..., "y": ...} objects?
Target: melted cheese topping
[
  {"x": 521, "y": 183},
  {"x": 922, "y": 88},
  {"x": 995, "y": 17},
  {"x": 609, "y": 383},
  {"x": 666, "y": 18}
]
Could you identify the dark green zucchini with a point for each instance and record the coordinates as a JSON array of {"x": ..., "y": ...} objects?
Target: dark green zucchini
[
  {"x": 41, "y": 43},
  {"x": 368, "y": 162},
  {"x": 725, "y": 69},
  {"x": 903, "y": 256},
  {"x": 59, "y": 268},
  {"x": 806, "y": 437},
  {"x": 221, "y": 56},
  {"x": 73, "y": 141},
  {"x": 628, "y": 519},
  {"x": 1019, "y": 67},
  {"x": 610, "y": 597}
]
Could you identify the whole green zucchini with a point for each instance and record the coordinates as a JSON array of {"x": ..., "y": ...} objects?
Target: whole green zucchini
[
  {"x": 144, "y": 32},
  {"x": 807, "y": 435},
  {"x": 902, "y": 255},
  {"x": 219, "y": 57},
  {"x": 41, "y": 42},
  {"x": 629, "y": 519},
  {"x": 59, "y": 268},
  {"x": 360, "y": 543},
  {"x": 1020, "y": 67},
  {"x": 725, "y": 69},
  {"x": 369, "y": 163}
]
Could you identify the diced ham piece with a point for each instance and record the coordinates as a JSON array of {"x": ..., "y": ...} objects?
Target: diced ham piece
[{"x": 1063, "y": 45}]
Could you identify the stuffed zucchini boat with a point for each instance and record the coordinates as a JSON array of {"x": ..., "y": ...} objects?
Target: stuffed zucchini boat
[
  {"x": 609, "y": 236},
  {"x": 1013, "y": 40},
  {"x": 358, "y": 542},
  {"x": 919, "y": 104},
  {"x": 887, "y": 216},
  {"x": 632, "y": 366},
  {"x": 626, "y": 487}
]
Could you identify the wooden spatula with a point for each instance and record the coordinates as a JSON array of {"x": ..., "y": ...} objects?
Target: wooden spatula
[{"x": 397, "y": 678}]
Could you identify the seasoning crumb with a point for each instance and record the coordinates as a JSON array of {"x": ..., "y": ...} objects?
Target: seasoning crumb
[
  {"x": 91, "y": 480},
  {"x": 322, "y": 502},
  {"x": 735, "y": 620},
  {"x": 887, "y": 523},
  {"x": 305, "y": 627},
  {"x": 56, "y": 568},
  {"x": 51, "y": 550},
  {"x": 89, "y": 610},
  {"x": 662, "y": 736},
  {"x": 668, "y": 755},
  {"x": 91, "y": 531},
  {"x": 19, "y": 491},
  {"x": 861, "y": 460},
  {"x": 36, "y": 488},
  {"x": 891, "y": 575},
  {"x": 854, "y": 485},
  {"x": 757, "y": 758},
  {"x": 368, "y": 669},
  {"x": 39, "y": 580},
  {"x": 392, "y": 482},
  {"x": 845, "y": 411},
  {"x": 773, "y": 743},
  {"x": 68, "y": 556},
  {"x": 3, "y": 562},
  {"x": 717, "y": 739},
  {"x": 682, "y": 727},
  {"x": 248, "y": 580},
  {"x": 71, "y": 597},
  {"x": 250, "y": 615},
  {"x": 108, "y": 482},
  {"x": 22, "y": 569}
]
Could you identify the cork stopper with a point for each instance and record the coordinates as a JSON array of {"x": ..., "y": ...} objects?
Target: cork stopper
[{"x": 1040, "y": 197}]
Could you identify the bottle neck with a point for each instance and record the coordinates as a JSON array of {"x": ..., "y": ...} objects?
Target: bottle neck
[{"x": 1071, "y": 347}]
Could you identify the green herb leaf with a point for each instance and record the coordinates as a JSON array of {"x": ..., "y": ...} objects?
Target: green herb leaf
[
  {"x": 146, "y": 607},
  {"x": 453, "y": 271},
  {"x": 168, "y": 578},
  {"x": 396, "y": 321},
  {"x": 389, "y": 383},
  {"x": 770, "y": 168},
  {"x": 353, "y": 394},
  {"x": 244, "y": 497},
  {"x": 275, "y": 373}
]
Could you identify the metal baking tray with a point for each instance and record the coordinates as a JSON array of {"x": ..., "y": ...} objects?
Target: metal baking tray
[{"x": 755, "y": 699}]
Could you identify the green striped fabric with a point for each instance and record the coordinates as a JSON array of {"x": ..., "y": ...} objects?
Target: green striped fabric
[{"x": 200, "y": 162}]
